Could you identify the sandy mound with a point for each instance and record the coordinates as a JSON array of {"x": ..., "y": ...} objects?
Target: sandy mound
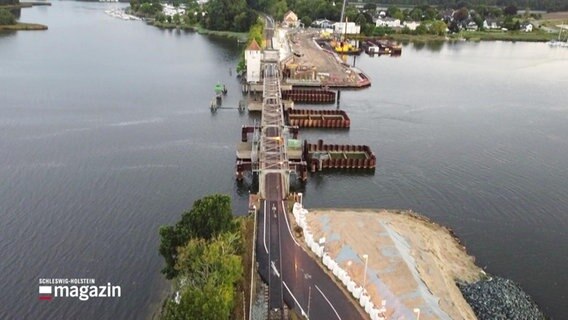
[{"x": 412, "y": 262}]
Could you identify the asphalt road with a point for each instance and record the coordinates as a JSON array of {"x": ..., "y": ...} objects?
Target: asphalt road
[{"x": 293, "y": 275}]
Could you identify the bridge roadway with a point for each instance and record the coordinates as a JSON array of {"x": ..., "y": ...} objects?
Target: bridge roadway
[{"x": 293, "y": 276}]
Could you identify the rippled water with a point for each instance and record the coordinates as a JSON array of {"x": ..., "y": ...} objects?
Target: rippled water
[{"x": 105, "y": 134}]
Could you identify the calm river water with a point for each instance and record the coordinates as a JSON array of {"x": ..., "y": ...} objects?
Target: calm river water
[{"x": 105, "y": 134}]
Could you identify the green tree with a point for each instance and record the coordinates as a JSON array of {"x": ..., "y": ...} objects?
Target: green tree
[
  {"x": 176, "y": 18},
  {"x": 208, "y": 272},
  {"x": 438, "y": 27},
  {"x": 421, "y": 29},
  {"x": 6, "y": 17},
  {"x": 208, "y": 217},
  {"x": 393, "y": 10},
  {"x": 307, "y": 21},
  {"x": 510, "y": 10},
  {"x": 416, "y": 14},
  {"x": 370, "y": 7},
  {"x": 227, "y": 15}
]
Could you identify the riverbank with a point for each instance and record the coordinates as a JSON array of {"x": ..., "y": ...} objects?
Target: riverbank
[
  {"x": 150, "y": 20},
  {"x": 412, "y": 263},
  {"x": 23, "y": 26},
  {"x": 240, "y": 36},
  {"x": 535, "y": 36}
]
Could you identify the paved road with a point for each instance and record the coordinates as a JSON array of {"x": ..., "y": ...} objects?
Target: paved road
[{"x": 291, "y": 273}]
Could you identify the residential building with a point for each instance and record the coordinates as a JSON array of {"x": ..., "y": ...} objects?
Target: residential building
[
  {"x": 290, "y": 19},
  {"x": 412, "y": 25},
  {"x": 388, "y": 22},
  {"x": 491, "y": 23},
  {"x": 346, "y": 28}
]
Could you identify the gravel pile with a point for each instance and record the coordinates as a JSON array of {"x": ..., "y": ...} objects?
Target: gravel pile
[{"x": 498, "y": 298}]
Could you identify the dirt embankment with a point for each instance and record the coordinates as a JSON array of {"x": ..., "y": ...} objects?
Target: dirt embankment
[{"x": 413, "y": 263}]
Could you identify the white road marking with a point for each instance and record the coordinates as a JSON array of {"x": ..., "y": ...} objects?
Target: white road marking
[
  {"x": 295, "y": 300},
  {"x": 264, "y": 233},
  {"x": 274, "y": 268},
  {"x": 326, "y": 299},
  {"x": 288, "y": 224}
]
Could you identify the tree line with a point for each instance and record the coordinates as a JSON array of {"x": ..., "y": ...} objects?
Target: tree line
[{"x": 546, "y": 5}]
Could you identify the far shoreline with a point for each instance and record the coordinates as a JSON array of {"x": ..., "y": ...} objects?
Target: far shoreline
[{"x": 22, "y": 26}]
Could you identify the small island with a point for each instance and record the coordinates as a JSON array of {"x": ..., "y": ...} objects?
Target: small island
[{"x": 9, "y": 10}]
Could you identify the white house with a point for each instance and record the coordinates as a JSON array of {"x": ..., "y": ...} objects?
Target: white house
[
  {"x": 490, "y": 23},
  {"x": 412, "y": 25},
  {"x": 346, "y": 28},
  {"x": 388, "y": 22},
  {"x": 323, "y": 23},
  {"x": 290, "y": 19},
  {"x": 170, "y": 10},
  {"x": 471, "y": 26},
  {"x": 253, "y": 55}
]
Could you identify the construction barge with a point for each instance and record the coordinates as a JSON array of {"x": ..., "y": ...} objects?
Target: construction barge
[
  {"x": 315, "y": 96},
  {"x": 304, "y": 118},
  {"x": 381, "y": 46},
  {"x": 322, "y": 156}
]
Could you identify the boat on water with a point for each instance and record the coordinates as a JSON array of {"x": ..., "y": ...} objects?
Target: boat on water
[
  {"x": 345, "y": 47},
  {"x": 559, "y": 42},
  {"x": 120, "y": 14}
]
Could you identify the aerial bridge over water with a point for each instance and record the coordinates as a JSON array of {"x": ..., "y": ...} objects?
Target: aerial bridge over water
[
  {"x": 291, "y": 274},
  {"x": 267, "y": 153}
]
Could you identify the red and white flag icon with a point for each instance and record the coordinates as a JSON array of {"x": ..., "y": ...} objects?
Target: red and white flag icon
[{"x": 45, "y": 293}]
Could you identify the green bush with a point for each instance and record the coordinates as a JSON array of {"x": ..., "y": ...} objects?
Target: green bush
[{"x": 6, "y": 17}]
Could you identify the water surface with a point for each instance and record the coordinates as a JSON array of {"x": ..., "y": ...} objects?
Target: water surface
[{"x": 106, "y": 135}]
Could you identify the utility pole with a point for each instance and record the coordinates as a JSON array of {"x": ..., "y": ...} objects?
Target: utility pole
[{"x": 342, "y": 11}]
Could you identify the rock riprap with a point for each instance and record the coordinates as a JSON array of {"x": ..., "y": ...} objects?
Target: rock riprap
[{"x": 498, "y": 298}]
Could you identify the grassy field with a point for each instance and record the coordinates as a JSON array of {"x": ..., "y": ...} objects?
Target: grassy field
[
  {"x": 553, "y": 19},
  {"x": 229, "y": 34},
  {"x": 416, "y": 38},
  {"x": 535, "y": 36},
  {"x": 561, "y": 15},
  {"x": 23, "y": 26},
  {"x": 241, "y": 36}
]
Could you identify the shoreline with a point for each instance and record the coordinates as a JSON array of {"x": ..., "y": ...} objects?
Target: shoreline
[
  {"x": 240, "y": 36},
  {"x": 474, "y": 36},
  {"x": 21, "y": 26}
]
